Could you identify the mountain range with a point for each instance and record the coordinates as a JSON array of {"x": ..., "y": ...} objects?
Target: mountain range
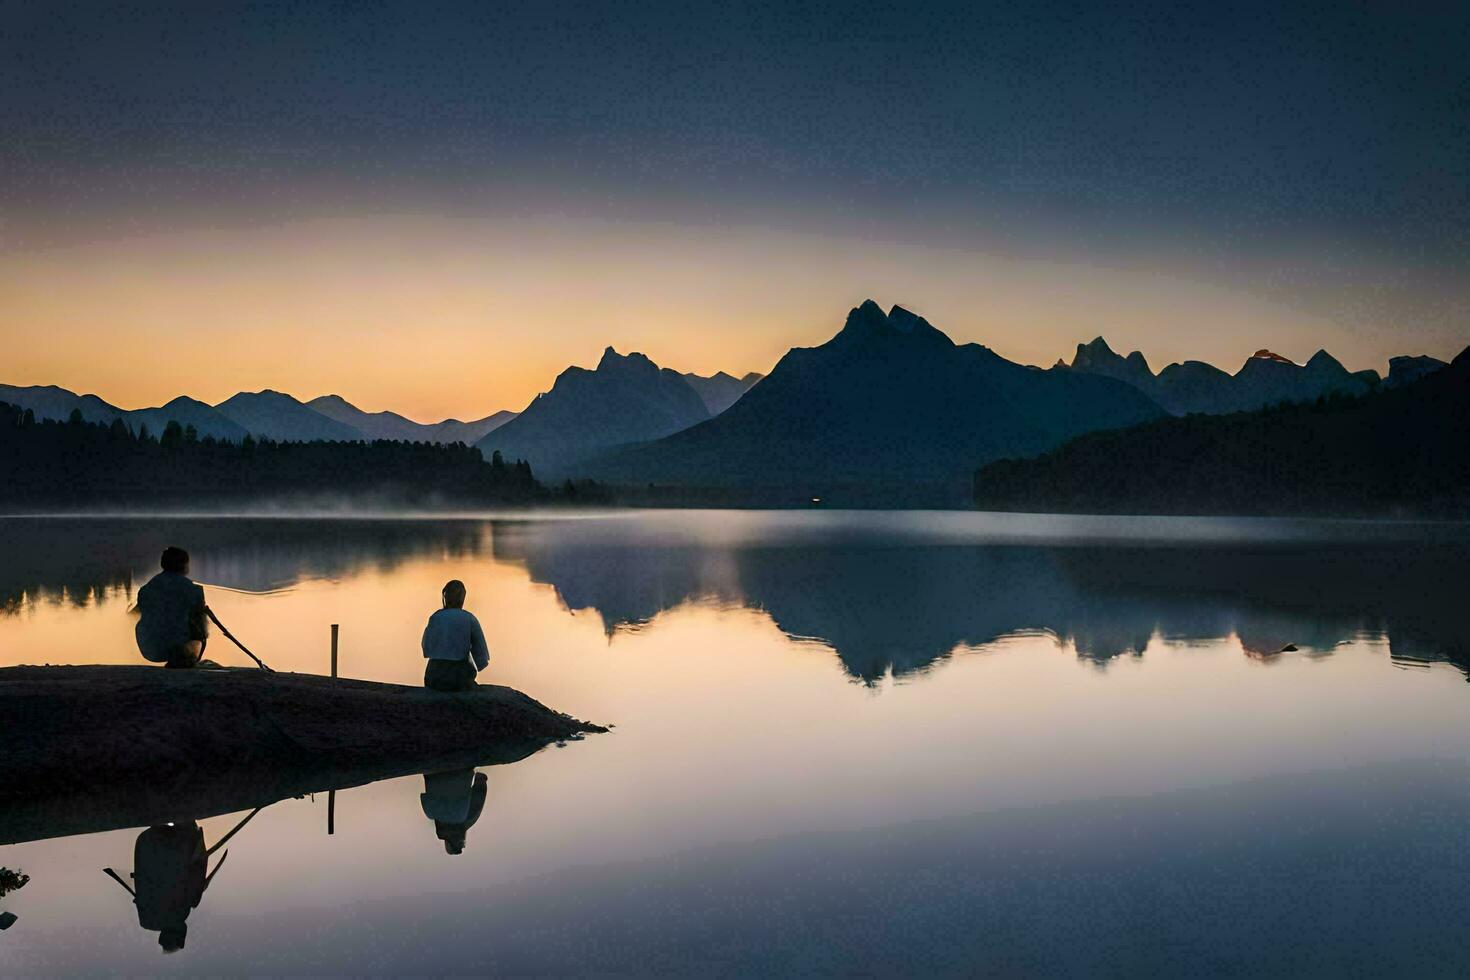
[
  {"x": 889, "y": 402},
  {"x": 626, "y": 398},
  {"x": 1265, "y": 379},
  {"x": 276, "y": 415},
  {"x": 391, "y": 425},
  {"x": 1403, "y": 450},
  {"x": 889, "y": 410},
  {"x": 263, "y": 414},
  {"x": 52, "y": 402}
]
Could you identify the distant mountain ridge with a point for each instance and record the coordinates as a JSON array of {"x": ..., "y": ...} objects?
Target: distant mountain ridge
[
  {"x": 264, "y": 414},
  {"x": 391, "y": 425},
  {"x": 1266, "y": 378},
  {"x": 53, "y": 402},
  {"x": 889, "y": 401},
  {"x": 625, "y": 399},
  {"x": 1403, "y": 450},
  {"x": 719, "y": 391},
  {"x": 276, "y": 415}
]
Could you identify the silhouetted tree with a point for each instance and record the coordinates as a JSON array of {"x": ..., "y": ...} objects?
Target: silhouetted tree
[{"x": 67, "y": 464}]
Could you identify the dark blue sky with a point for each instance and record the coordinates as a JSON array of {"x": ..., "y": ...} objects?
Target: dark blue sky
[{"x": 1251, "y": 119}]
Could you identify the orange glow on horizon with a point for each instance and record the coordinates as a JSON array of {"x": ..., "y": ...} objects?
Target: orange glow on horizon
[{"x": 436, "y": 318}]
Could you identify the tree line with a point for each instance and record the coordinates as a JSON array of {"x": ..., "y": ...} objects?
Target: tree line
[
  {"x": 1398, "y": 453},
  {"x": 52, "y": 464}
]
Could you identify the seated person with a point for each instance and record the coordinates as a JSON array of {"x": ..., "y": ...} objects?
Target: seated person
[
  {"x": 454, "y": 644},
  {"x": 173, "y": 627}
]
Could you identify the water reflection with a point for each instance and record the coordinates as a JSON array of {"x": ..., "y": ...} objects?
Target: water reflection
[
  {"x": 743, "y": 816},
  {"x": 78, "y": 560},
  {"x": 888, "y": 602},
  {"x": 170, "y": 875},
  {"x": 894, "y": 609},
  {"x": 453, "y": 801}
]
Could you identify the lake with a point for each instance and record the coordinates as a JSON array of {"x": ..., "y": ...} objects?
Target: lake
[{"x": 845, "y": 742}]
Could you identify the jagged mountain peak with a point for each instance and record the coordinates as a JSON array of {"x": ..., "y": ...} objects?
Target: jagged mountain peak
[
  {"x": 885, "y": 400},
  {"x": 1096, "y": 357},
  {"x": 1266, "y": 355},
  {"x": 913, "y": 325},
  {"x": 868, "y": 322},
  {"x": 865, "y": 319},
  {"x": 612, "y": 361},
  {"x": 1323, "y": 359},
  {"x": 628, "y": 398}
]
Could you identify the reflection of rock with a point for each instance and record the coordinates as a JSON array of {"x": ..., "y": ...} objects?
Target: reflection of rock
[
  {"x": 889, "y": 606},
  {"x": 158, "y": 745},
  {"x": 86, "y": 558},
  {"x": 11, "y": 881}
]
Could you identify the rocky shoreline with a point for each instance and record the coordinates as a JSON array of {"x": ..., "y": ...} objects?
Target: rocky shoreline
[{"x": 98, "y": 747}]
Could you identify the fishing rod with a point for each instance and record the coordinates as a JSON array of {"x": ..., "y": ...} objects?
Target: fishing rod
[{"x": 231, "y": 637}]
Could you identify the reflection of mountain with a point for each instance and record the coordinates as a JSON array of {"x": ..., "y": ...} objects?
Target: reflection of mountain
[
  {"x": 901, "y": 608},
  {"x": 78, "y": 558}
]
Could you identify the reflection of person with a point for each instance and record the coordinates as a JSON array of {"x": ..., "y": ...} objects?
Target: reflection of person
[
  {"x": 453, "y": 800},
  {"x": 453, "y": 644},
  {"x": 173, "y": 627},
  {"x": 170, "y": 874}
]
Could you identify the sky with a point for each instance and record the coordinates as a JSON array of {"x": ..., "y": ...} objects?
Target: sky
[{"x": 434, "y": 208}]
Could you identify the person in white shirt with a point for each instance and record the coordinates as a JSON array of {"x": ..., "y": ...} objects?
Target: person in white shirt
[{"x": 454, "y": 644}]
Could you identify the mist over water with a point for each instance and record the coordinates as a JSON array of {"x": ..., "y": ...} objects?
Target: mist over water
[{"x": 845, "y": 741}]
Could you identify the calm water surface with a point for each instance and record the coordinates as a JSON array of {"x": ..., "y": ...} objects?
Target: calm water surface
[{"x": 864, "y": 742}]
